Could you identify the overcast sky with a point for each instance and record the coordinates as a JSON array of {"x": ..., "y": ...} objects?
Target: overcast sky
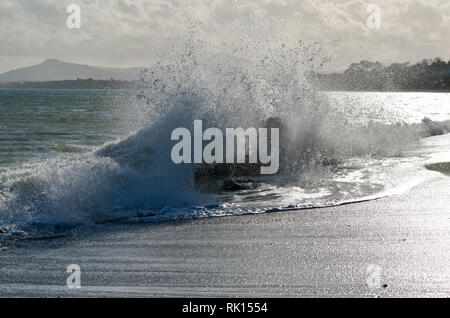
[{"x": 125, "y": 33}]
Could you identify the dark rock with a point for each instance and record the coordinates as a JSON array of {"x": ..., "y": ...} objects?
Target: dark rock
[
  {"x": 433, "y": 128},
  {"x": 385, "y": 285},
  {"x": 243, "y": 169},
  {"x": 230, "y": 185}
]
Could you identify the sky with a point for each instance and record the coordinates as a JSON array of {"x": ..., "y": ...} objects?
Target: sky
[{"x": 127, "y": 33}]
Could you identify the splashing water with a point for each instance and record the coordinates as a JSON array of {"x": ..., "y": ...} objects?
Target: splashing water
[{"x": 327, "y": 155}]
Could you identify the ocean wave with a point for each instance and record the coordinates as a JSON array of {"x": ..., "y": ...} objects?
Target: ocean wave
[{"x": 135, "y": 179}]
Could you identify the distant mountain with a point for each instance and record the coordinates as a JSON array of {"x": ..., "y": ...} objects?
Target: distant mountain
[{"x": 55, "y": 70}]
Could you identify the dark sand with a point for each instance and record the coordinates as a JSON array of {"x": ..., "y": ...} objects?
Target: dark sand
[{"x": 319, "y": 252}]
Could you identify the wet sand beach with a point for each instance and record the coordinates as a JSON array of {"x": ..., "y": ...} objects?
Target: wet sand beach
[{"x": 307, "y": 253}]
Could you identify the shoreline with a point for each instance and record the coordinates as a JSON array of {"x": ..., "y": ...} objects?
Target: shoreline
[{"x": 304, "y": 253}]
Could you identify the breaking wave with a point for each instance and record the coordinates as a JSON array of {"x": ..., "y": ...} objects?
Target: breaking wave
[{"x": 326, "y": 153}]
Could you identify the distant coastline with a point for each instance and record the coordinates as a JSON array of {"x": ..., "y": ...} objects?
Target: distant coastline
[
  {"x": 427, "y": 76},
  {"x": 72, "y": 84},
  {"x": 431, "y": 75}
]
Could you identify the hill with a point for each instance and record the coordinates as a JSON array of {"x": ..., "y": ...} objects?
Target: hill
[{"x": 56, "y": 70}]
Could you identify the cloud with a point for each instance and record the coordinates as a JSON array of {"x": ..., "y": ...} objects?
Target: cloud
[{"x": 130, "y": 32}]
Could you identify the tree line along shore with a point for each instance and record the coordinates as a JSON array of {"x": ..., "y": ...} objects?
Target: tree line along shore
[{"x": 427, "y": 75}]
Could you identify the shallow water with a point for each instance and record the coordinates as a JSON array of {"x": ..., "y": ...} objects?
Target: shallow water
[
  {"x": 52, "y": 176},
  {"x": 37, "y": 124}
]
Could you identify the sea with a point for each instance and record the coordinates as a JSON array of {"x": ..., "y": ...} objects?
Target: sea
[{"x": 76, "y": 158}]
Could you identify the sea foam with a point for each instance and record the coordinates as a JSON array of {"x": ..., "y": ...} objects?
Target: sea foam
[{"x": 225, "y": 85}]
